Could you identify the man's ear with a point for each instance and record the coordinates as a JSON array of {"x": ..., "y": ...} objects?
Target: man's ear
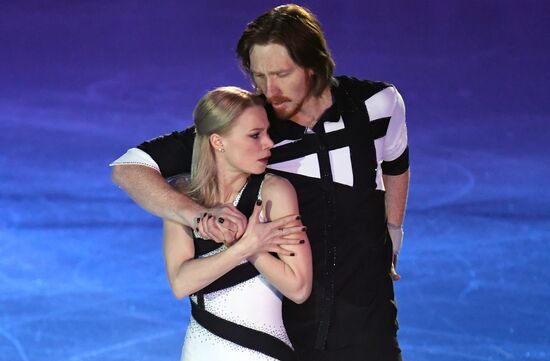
[{"x": 216, "y": 141}]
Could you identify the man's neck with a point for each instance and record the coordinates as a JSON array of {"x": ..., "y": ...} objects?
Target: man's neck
[{"x": 313, "y": 108}]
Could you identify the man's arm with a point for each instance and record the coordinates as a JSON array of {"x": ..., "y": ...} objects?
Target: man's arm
[
  {"x": 140, "y": 172},
  {"x": 149, "y": 190},
  {"x": 397, "y": 189},
  {"x": 396, "y": 174}
]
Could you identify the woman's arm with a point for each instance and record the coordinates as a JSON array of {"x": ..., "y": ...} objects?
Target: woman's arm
[
  {"x": 186, "y": 274},
  {"x": 290, "y": 274}
]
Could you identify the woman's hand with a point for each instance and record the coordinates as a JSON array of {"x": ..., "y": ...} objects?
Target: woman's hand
[{"x": 269, "y": 237}]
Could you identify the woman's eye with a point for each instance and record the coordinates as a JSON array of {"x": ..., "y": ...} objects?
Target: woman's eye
[{"x": 255, "y": 135}]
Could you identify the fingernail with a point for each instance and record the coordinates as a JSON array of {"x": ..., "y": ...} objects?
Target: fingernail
[
  {"x": 221, "y": 220},
  {"x": 197, "y": 229},
  {"x": 259, "y": 202},
  {"x": 209, "y": 216},
  {"x": 198, "y": 220},
  {"x": 302, "y": 241},
  {"x": 292, "y": 254},
  {"x": 298, "y": 217},
  {"x": 304, "y": 228},
  {"x": 204, "y": 215}
]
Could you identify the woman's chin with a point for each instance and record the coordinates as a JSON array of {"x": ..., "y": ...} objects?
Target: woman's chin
[{"x": 259, "y": 170}]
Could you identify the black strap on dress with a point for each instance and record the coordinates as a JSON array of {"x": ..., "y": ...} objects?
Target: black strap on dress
[{"x": 241, "y": 335}]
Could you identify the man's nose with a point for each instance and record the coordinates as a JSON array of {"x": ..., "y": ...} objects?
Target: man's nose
[{"x": 272, "y": 88}]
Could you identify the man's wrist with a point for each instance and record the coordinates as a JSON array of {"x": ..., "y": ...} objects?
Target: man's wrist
[
  {"x": 192, "y": 214},
  {"x": 396, "y": 236}
]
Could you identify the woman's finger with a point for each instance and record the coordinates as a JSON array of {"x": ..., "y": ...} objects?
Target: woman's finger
[
  {"x": 283, "y": 221},
  {"x": 286, "y": 231}
]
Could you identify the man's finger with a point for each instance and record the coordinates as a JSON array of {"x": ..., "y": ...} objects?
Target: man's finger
[
  {"x": 394, "y": 275},
  {"x": 393, "y": 272}
]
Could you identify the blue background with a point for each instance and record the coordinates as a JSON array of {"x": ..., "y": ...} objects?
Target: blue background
[{"x": 81, "y": 269}]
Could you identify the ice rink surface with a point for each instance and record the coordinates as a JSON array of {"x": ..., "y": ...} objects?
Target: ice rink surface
[{"x": 81, "y": 269}]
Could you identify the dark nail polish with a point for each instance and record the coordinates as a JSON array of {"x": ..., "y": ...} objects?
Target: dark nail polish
[
  {"x": 221, "y": 220},
  {"x": 304, "y": 228},
  {"x": 259, "y": 202},
  {"x": 204, "y": 215},
  {"x": 298, "y": 218},
  {"x": 302, "y": 241},
  {"x": 209, "y": 216},
  {"x": 197, "y": 229},
  {"x": 292, "y": 254},
  {"x": 198, "y": 220}
]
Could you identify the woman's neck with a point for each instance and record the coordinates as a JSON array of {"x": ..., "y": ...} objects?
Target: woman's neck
[{"x": 230, "y": 185}]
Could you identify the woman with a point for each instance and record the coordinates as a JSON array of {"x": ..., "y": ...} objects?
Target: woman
[{"x": 236, "y": 311}]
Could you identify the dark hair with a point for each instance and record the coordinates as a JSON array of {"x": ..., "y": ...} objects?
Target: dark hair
[{"x": 297, "y": 29}]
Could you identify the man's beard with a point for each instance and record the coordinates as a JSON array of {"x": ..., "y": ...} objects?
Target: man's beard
[{"x": 286, "y": 112}]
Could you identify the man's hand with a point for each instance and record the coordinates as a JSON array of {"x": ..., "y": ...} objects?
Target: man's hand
[
  {"x": 396, "y": 236},
  {"x": 393, "y": 272},
  {"x": 222, "y": 224}
]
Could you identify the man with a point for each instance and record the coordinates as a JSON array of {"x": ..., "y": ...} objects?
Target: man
[{"x": 343, "y": 146}]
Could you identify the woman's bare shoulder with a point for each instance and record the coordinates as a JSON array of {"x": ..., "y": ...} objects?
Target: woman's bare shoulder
[
  {"x": 279, "y": 197},
  {"x": 275, "y": 185}
]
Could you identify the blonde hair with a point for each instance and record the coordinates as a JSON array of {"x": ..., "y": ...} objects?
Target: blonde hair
[{"x": 214, "y": 113}]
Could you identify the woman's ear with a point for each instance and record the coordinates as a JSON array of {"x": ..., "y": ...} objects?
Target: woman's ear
[{"x": 217, "y": 142}]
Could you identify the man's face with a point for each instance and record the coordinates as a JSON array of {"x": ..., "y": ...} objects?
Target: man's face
[{"x": 283, "y": 82}]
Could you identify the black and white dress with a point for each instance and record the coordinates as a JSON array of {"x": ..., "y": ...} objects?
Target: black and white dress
[{"x": 239, "y": 316}]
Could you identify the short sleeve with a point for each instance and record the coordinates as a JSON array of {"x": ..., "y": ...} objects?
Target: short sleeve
[
  {"x": 396, "y": 140},
  {"x": 172, "y": 152},
  {"x": 135, "y": 156}
]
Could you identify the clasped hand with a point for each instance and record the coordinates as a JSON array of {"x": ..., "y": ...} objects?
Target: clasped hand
[{"x": 225, "y": 224}]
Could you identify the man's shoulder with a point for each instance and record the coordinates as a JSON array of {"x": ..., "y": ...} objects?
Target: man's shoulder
[{"x": 362, "y": 88}]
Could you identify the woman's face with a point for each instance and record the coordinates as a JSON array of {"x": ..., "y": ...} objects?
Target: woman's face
[{"x": 247, "y": 145}]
